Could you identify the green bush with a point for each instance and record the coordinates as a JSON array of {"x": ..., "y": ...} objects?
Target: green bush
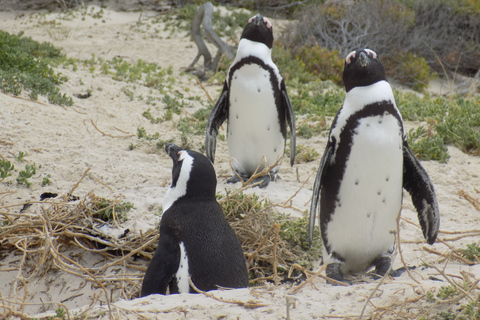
[
  {"x": 24, "y": 65},
  {"x": 289, "y": 66},
  {"x": 408, "y": 68},
  {"x": 427, "y": 147},
  {"x": 324, "y": 63},
  {"x": 411, "y": 37},
  {"x": 455, "y": 121}
]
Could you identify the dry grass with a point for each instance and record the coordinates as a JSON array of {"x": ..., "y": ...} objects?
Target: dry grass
[
  {"x": 42, "y": 235},
  {"x": 42, "y": 238}
]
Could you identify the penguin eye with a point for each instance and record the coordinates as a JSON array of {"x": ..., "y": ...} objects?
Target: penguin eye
[
  {"x": 251, "y": 19},
  {"x": 349, "y": 57},
  {"x": 181, "y": 156},
  {"x": 371, "y": 53},
  {"x": 267, "y": 22}
]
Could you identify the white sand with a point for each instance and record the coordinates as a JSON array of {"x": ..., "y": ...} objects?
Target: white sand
[{"x": 65, "y": 143}]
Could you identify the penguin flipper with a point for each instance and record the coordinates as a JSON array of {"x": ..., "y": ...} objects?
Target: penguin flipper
[
  {"x": 291, "y": 123},
  {"x": 417, "y": 182},
  {"x": 162, "y": 267},
  {"x": 317, "y": 186},
  {"x": 218, "y": 115}
]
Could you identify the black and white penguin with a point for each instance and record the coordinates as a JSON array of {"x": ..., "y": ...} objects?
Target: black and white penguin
[
  {"x": 196, "y": 240},
  {"x": 255, "y": 102},
  {"x": 359, "y": 183}
]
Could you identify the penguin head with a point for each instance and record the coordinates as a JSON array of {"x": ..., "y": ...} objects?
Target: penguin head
[
  {"x": 259, "y": 29},
  {"x": 362, "y": 68},
  {"x": 193, "y": 174}
]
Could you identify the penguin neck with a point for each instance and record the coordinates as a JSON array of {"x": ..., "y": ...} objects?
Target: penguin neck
[
  {"x": 358, "y": 97},
  {"x": 197, "y": 185},
  {"x": 248, "y": 48}
]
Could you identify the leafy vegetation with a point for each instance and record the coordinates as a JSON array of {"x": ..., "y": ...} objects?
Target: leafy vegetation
[
  {"x": 26, "y": 174},
  {"x": 25, "y": 65},
  {"x": 455, "y": 121},
  {"x": 427, "y": 147},
  {"x": 472, "y": 252},
  {"x": 254, "y": 218},
  {"x": 414, "y": 39},
  {"x": 46, "y": 181},
  {"x": 21, "y": 156},
  {"x": 447, "y": 292},
  {"x": 5, "y": 168},
  {"x": 108, "y": 210},
  {"x": 305, "y": 154},
  {"x": 196, "y": 124}
]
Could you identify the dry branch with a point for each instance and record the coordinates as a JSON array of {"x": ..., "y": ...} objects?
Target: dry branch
[{"x": 205, "y": 14}]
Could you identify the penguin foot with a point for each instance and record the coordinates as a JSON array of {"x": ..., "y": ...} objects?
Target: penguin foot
[
  {"x": 264, "y": 180},
  {"x": 382, "y": 264},
  {"x": 333, "y": 272},
  {"x": 237, "y": 177},
  {"x": 233, "y": 179},
  {"x": 393, "y": 273}
]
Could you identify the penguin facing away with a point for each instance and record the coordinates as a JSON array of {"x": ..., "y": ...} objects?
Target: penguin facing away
[
  {"x": 195, "y": 238},
  {"x": 366, "y": 163},
  {"x": 256, "y": 105}
]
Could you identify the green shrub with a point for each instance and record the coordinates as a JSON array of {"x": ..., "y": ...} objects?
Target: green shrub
[
  {"x": 108, "y": 210},
  {"x": 426, "y": 146},
  {"x": 26, "y": 174},
  {"x": 291, "y": 67},
  {"x": 324, "y": 63},
  {"x": 24, "y": 66},
  {"x": 408, "y": 68}
]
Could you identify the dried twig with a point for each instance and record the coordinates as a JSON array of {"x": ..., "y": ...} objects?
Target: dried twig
[
  {"x": 109, "y": 135},
  {"x": 475, "y": 202}
]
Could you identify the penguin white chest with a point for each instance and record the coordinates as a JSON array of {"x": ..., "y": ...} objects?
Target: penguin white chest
[
  {"x": 370, "y": 195},
  {"x": 253, "y": 123}
]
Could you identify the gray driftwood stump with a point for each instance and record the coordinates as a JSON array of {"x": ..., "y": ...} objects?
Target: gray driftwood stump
[{"x": 205, "y": 14}]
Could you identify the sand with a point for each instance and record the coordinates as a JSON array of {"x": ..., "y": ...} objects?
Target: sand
[{"x": 96, "y": 134}]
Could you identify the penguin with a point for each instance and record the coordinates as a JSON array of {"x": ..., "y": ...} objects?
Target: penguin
[
  {"x": 196, "y": 240},
  {"x": 255, "y": 103},
  {"x": 365, "y": 167}
]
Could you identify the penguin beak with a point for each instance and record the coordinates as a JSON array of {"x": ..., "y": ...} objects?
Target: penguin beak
[
  {"x": 172, "y": 151},
  {"x": 363, "y": 59},
  {"x": 258, "y": 19}
]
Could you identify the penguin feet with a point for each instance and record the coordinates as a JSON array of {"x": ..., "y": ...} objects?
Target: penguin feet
[
  {"x": 263, "y": 181},
  {"x": 382, "y": 264},
  {"x": 260, "y": 182},
  {"x": 333, "y": 272},
  {"x": 237, "y": 177}
]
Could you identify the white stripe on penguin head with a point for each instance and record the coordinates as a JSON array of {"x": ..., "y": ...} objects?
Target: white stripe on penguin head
[{"x": 180, "y": 189}]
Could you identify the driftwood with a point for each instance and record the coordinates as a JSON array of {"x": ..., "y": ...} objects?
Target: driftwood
[{"x": 205, "y": 14}]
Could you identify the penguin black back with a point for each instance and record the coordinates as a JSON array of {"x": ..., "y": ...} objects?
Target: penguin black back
[{"x": 196, "y": 240}]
